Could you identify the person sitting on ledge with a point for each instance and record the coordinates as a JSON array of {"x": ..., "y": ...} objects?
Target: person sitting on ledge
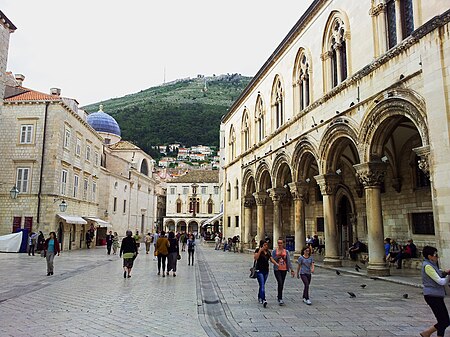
[
  {"x": 355, "y": 249},
  {"x": 409, "y": 251}
]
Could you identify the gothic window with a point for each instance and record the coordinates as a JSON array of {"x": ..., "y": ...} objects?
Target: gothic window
[
  {"x": 302, "y": 80},
  {"x": 178, "y": 206},
  {"x": 232, "y": 143},
  {"x": 236, "y": 187},
  {"x": 406, "y": 17},
  {"x": 144, "y": 167},
  {"x": 229, "y": 192},
  {"x": 335, "y": 51},
  {"x": 399, "y": 20},
  {"x": 245, "y": 132},
  {"x": 278, "y": 103},
  {"x": 391, "y": 24},
  {"x": 260, "y": 118}
]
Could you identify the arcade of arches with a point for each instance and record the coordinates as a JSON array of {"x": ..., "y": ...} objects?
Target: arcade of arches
[{"x": 366, "y": 181}]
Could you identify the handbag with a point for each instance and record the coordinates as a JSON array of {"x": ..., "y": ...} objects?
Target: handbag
[
  {"x": 253, "y": 270},
  {"x": 155, "y": 253},
  {"x": 178, "y": 257}
]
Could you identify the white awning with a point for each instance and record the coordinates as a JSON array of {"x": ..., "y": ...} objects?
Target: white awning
[
  {"x": 74, "y": 219},
  {"x": 100, "y": 222},
  {"x": 213, "y": 219}
]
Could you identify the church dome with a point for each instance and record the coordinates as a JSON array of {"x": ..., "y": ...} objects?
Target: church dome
[{"x": 102, "y": 122}]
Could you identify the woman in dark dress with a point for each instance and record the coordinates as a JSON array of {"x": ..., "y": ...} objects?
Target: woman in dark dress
[{"x": 129, "y": 251}]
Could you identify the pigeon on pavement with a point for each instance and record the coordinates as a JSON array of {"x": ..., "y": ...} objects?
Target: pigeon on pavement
[
  {"x": 363, "y": 286},
  {"x": 352, "y": 295},
  {"x": 337, "y": 272},
  {"x": 405, "y": 295}
]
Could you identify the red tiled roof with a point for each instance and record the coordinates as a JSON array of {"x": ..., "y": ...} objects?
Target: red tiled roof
[{"x": 32, "y": 95}]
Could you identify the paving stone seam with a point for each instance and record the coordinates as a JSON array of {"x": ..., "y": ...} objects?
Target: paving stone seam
[{"x": 214, "y": 310}]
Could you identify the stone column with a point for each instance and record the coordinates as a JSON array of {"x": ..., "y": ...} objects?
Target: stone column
[
  {"x": 299, "y": 192},
  {"x": 328, "y": 184},
  {"x": 260, "y": 198},
  {"x": 371, "y": 176},
  {"x": 337, "y": 48},
  {"x": 276, "y": 194},
  {"x": 249, "y": 201},
  {"x": 398, "y": 21}
]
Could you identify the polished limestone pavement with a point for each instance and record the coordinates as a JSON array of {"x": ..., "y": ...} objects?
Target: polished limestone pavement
[{"x": 88, "y": 296}]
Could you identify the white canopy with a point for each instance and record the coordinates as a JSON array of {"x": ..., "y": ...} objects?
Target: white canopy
[
  {"x": 10, "y": 243},
  {"x": 213, "y": 219},
  {"x": 100, "y": 222},
  {"x": 74, "y": 219}
]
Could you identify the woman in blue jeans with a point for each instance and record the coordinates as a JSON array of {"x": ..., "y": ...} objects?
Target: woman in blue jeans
[{"x": 262, "y": 257}]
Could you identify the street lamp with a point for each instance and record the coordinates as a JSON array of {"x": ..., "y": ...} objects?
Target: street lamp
[
  {"x": 62, "y": 206},
  {"x": 14, "y": 192}
]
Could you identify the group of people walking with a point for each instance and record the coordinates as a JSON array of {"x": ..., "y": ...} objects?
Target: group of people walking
[
  {"x": 282, "y": 265},
  {"x": 166, "y": 250}
]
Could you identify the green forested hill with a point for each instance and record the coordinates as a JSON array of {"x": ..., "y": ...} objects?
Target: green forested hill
[{"x": 181, "y": 111}]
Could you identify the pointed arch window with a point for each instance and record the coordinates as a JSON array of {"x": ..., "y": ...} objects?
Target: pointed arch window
[
  {"x": 278, "y": 103},
  {"x": 232, "y": 143},
  {"x": 245, "y": 131},
  {"x": 236, "y": 187},
  {"x": 229, "y": 192},
  {"x": 335, "y": 51},
  {"x": 260, "y": 118},
  {"x": 302, "y": 80}
]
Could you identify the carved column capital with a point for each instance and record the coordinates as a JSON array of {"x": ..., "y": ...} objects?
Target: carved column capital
[
  {"x": 328, "y": 183},
  {"x": 375, "y": 10},
  {"x": 299, "y": 190},
  {"x": 249, "y": 201},
  {"x": 423, "y": 153},
  {"x": 277, "y": 194},
  {"x": 260, "y": 198},
  {"x": 371, "y": 174}
]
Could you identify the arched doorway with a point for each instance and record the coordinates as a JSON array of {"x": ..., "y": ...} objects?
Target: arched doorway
[
  {"x": 182, "y": 226},
  {"x": 344, "y": 223}
]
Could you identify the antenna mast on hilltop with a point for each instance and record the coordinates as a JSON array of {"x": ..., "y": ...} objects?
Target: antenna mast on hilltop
[{"x": 164, "y": 80}]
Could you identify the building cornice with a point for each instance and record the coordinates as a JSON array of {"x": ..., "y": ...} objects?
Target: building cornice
[
  {"x": 431, "y": 25},
  {"x": 7, "y": 22}
]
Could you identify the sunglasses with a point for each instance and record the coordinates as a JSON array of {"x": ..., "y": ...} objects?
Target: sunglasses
[{"x": 436, "y": 254}]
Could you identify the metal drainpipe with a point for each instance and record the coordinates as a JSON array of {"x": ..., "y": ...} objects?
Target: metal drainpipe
[{"x": 42, "y": 164}]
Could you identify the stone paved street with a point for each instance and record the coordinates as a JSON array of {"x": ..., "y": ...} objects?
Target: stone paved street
[{"x": 88, "y": 296}]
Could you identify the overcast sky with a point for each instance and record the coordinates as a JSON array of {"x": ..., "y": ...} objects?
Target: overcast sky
[{"x": 99, "y": 49}]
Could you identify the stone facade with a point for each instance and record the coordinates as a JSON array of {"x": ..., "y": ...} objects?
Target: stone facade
[
  {"x": 192, "y": 199},
  {"x": 344, "y": 131},
  {"x": 50, "y": 154},
  {"x": 129, "y": 194}
]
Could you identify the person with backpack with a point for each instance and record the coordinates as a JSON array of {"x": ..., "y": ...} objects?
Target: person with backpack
[
  {"x": 191, "y": 249},
  {"x": 356, "y": 248}
]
